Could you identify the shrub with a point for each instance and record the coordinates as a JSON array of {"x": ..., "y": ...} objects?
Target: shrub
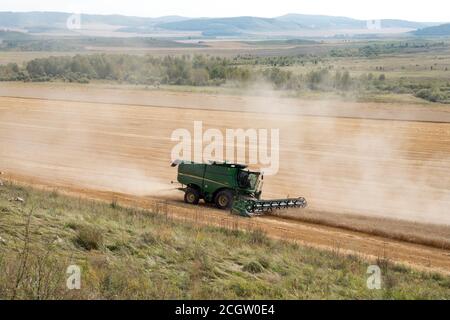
[
  {"x": 253, "y": 267},
  {"x": 199, "y": 77},
  {"x": 89, "y": 238},
  {"x": 433, "y": 95}
]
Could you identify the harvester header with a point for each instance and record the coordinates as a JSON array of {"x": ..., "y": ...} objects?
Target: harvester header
[{"x": 229, "y": 186}]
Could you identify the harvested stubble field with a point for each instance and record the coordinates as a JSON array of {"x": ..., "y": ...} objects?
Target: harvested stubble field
[{"x": 373, "y": 184}]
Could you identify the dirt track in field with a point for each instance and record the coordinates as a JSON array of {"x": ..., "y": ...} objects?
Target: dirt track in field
[
  {"x": 375, "y": 168},
  {"x": 340, "y": 241}
]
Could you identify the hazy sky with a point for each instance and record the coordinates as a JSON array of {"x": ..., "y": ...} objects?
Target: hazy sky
[{"x": 429, "y": 10}]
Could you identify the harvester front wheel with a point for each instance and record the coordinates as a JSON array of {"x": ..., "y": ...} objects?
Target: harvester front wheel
[
  {"x": 224, "y": 199},
  {"x": 191, "y": 196}
]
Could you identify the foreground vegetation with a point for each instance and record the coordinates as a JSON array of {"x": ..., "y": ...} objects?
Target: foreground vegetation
[{"x": 127, "y": 253}]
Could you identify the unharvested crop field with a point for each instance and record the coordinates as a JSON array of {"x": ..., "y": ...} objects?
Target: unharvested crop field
[{"x": 345, "y": 158}]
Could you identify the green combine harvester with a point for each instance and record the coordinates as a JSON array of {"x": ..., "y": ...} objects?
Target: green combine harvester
[{"x": 230, "y": 187}]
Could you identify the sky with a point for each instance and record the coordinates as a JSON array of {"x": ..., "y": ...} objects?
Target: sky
[{"x": 430, "y": 10}]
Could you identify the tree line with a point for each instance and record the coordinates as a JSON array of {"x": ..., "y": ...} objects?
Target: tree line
[
  {"x": 198, "y": 70},
  {"x": 201, "y": 70}
]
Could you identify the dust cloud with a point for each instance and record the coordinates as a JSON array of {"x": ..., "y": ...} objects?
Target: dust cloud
[
  {"x": 384, "y": 168},
  {"x": 395, "y": 169},
  {"x": 74, "y": 144}
]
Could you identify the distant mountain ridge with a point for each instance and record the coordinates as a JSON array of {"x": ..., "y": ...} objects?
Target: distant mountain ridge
[
  {"x": 330, "y": 22},
  {"x": 58, "y": 19},
  {"x": 322, "y": 22},
  {"x": 441, "y": 30},
  {"x": 287, "y": 22},
  {"x": 36, "y": 21},
  {"x": 245, "y": 23}
]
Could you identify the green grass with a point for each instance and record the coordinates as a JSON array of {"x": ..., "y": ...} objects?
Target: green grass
[{"x": 127, "y": 253}]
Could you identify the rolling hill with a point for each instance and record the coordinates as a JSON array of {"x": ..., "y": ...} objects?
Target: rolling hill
[
  {"x": 58, "y": 20},
  {"x": 322, "y": 22},
  {"x": 234, "y": 23},
  {"x": 290, "y": 22},
  {"x": 329, "y": 22},
  {"x": 45, "y": 22},
  {"x": 441, "y": 30}
]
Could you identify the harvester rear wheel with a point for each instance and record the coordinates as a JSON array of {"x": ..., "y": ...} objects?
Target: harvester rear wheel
[
  {"x": 191, "y": 196},
  {"x": 224, "y": 199}
]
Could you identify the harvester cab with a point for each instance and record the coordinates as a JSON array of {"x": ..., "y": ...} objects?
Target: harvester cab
[{"x": 229, "y": 186}]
